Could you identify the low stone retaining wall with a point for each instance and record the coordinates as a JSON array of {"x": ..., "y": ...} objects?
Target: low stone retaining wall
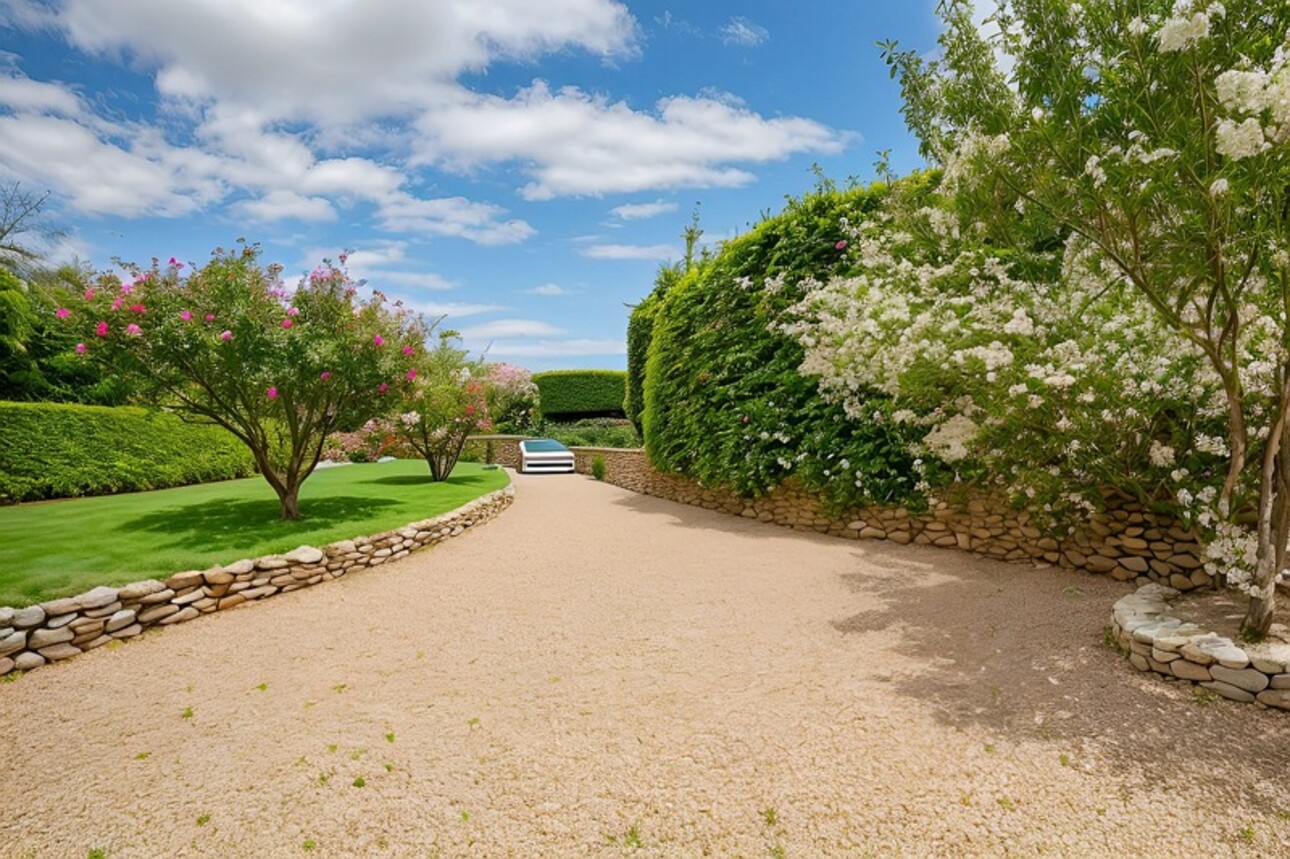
[
  {"x": 1127, "y": 542},
  {"x": 62, "y": 628},
  {"x": 1155, "y": 640}
]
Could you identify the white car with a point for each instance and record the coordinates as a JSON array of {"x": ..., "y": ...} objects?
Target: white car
[{"x": 539, "y": 455}]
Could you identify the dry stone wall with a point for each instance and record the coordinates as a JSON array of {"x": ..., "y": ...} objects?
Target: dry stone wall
[
  {"x": 56, "y": 630},
  {"x": 1146, "y": 629},
  {"x": 1127, "y": 542}
]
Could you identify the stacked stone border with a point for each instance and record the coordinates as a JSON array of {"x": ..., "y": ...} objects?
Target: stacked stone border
[
  {"x": 1156, "y": 640},
  {"x": 59, "y": 629},
  {"x": 1127, "y": 542}
]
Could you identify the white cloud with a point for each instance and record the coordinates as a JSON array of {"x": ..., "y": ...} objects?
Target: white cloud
[
  {"x": 574, "y": 143},
  {"x": 511, "y": 328},
  {"x": 451, "y": 309},
  {"x": 452, "y": 216},
  {"x": 635, "y": 211},
  {"x": 282, "y": 205},
  {"x": 654, "y": 252},
  {"x": 556, "y": 348},
  {"x": 743, "y": 32},
  {"x": 548, "y": 289},
  {"x": 384, "y": 265},
  {"x": 20, "y": 93}
]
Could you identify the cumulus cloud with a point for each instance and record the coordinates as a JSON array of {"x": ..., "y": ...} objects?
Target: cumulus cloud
[
  {"x": 452, "y": 216},
  {"x": 453, "y": 309},
  {"x": 649, "y": 252},
  {"x": 511, "y": 328},
  {"x": 743, "y": 32},
  {"x": 575, "y": 143},
  {"x": 548, "y": 289},
  {"x": 636, "y": 211},
  {"x": 556, "y": 348}
]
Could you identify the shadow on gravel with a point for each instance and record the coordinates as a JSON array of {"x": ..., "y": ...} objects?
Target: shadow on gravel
[{"x": 1020, "y": 651}]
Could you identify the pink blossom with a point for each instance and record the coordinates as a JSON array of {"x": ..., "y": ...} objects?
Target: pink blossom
[
  {"x": 745, "y": 419},
  {"x": 378, "y": 340},
  {"x": 62, "y": 313},
  {"x": 116, "y": 305},
  {"x": 291, "y": 311},
  {"x": 841, "y": 245},
  {"x": 226, "y": 336},
  {"x": 210, "y": 317},
  {"x": 101, "y": 329},
  {"x": 407, "y": 350},
  {"x": 383, "y": 387},
  {"x": 272, "y": 393},
  {"x": 185, "y": 315},
  {"x": 127, "y": 288},
  {"x": 412, "y": 374},
  {"x": 174, "y": 263},
  {"x": 89, "y": 295},
  {"x": 470, "y": 410},
  {"x": 344, "y": 255},
  {"x": 325, "y": 375},
  {"x": 287, "y": 323},
  {"x": 133, "y": 330},
  {"x": 80, "y": 348},
  {"x": 138, "y": 308}
]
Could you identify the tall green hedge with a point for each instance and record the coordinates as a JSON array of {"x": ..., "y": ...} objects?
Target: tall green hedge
[
  {"x": 723, "y": 399},
  {"x": 51, "y": 450},
  {"x": 575, "y": 394}
]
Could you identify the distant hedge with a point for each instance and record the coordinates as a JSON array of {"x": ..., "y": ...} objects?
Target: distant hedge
[
  {"x": 52, "y": 450},
  {"x": 574, "y": 394}
]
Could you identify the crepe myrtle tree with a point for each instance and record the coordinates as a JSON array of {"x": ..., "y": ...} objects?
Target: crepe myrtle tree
[
  {"x": 1154, "y": 136},
  {"x": 445, "y": 402},
  {"x": 230, "y": 345}
]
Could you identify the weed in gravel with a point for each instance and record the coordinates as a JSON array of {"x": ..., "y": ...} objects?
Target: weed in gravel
[
  {"x": 96, "y": 853},
  {"x": 357, "y": 754},
  {"x": 1247, "y": 834},
  {"x": 777, "y": 852},
  {"x": 1006, "y": 803},
  {"x": 262, "y": 687},
  {"x": 389, "y": 738},
  {"x": 465, "y": 816},
  {"x": 143, "y": 756},
  {"x": 1064, "y": 760},
  {"x": 323, "y": 778},
  {"x": 310, "y": 704},
  {"x": 1073, "y": 591},
  {"x": 1203, "y": 697},
  {"x": 1109, "y": 641},
  {"x": 309, "y": 844},
  {"x": 473, "y": 722},
  {"x": 360, "y": 782},
  {"x": 12, "y": 676},
  {"x": 631, "y": 839},
  {"x": 187, "y": 713},
  {"x": 331, "y": 747},
  {"x": 340, "y": 687},
  {"x": 989, "y": 747},
  {"x": 770, "y": 816},
  {"x": 203, "y": 819},
  {"x": 389, "y": 768}
]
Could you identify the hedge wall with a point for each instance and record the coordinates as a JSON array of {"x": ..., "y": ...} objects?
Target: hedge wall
[
  {"x": 575, "y": 394},
  {"x": 50, "y": 450},
  {"x": 723, "y": 399}
]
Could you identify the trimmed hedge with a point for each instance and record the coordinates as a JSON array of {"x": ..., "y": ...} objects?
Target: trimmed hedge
[
  {"x": 566, "y": 395},
  {"x": 724, "y": 401},
  {"x": 54, "y": 450}
]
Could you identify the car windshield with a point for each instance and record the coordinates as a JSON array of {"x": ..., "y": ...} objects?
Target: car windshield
[{"x": 544, "y": 445}]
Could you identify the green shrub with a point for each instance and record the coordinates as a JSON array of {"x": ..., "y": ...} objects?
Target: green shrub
[
  {"x": 598, "y": 467},
  {"x": 594, "y": 432},
  {"x": 573, "y": 394},
  {"x": 724, "y": 401},
  {"x": 50, "y": 450}
]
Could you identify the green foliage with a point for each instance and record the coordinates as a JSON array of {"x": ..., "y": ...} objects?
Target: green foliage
[
  {"x": 598, "y": 467},
  {"x": 50, "y": 450},
  {"x": 640, "y": 331},
  {"x": 593, "y": 432},
  {"x": 572, "y": 394},
  {"x": 724, "y": 399}
]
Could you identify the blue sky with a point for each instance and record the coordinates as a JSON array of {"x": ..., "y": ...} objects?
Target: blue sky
[{"x": 523, "y": 167}]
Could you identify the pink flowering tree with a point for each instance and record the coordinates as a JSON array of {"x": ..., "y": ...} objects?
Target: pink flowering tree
[
  {"x": 512, "y": 397},
  {"x": 229, "y": 344},
  {"x": 445, "y": 404}
]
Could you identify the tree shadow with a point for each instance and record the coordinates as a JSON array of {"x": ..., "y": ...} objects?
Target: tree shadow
[
  {"x": 426, "y": 480},
  {"x": 213, "y": 525},
  {"x": 1020, "y": 651}
]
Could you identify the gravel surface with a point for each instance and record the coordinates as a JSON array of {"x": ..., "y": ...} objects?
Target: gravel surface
[{"x": 600, "y": 673}]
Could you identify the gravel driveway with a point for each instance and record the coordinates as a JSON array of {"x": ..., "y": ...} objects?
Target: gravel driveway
[{"x": 601, "y": 673}]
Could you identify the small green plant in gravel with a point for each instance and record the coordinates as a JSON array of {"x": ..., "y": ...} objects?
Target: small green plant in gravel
[
  {"x": 309, "y": 844},
  {"x": 186, "y": 713},
  {"x": 360, "y": 782},
  {"x": 340, "y": 687},
  {"x": 96, "y": 853},
  {"x": 143, "y": 756},
  {"x": 389, "y": 738},
  {"x": 631, "y": 839},
  {"x": 262, "y": 687},
  {"x": 12, "y": 676},
  {"x": 1006, "y": 803},
  {"x": 770, "y": 816},
  {"x": 203, "y": 819}
]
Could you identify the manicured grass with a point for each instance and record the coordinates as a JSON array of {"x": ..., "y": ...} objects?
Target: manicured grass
[{"x": 60, "y": 548}]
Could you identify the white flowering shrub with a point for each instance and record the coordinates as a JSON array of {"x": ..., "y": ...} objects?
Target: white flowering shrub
[{"x": 1152, "y": 141}]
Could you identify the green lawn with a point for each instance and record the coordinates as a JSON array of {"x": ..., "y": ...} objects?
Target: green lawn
[{"x": 61, "y": 548}]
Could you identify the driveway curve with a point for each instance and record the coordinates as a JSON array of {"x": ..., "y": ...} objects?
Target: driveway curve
[{"x": 598, "y": 673}]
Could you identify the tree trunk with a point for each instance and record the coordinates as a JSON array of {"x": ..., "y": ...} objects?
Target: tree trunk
[{"x": 290, "y": 501}]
